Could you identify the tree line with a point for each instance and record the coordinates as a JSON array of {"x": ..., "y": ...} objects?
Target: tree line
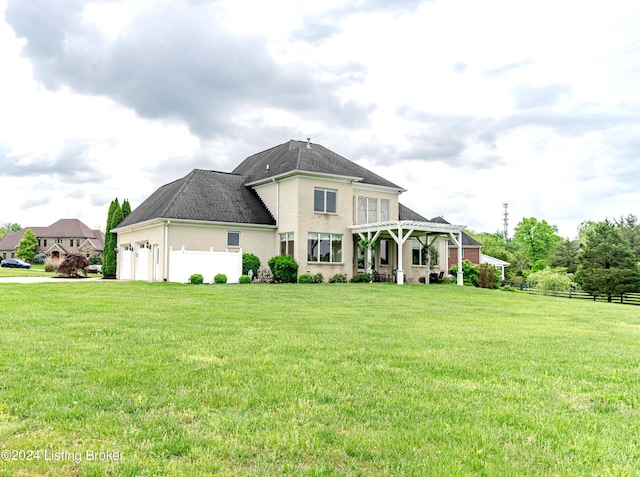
[{"x": 603, "y": 259}]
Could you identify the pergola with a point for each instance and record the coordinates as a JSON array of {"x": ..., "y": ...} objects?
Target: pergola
[{"x": 401, "y": 230}]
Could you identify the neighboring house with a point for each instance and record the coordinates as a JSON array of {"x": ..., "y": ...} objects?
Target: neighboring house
[
  {"x": 297, "y": 198},
  {"x": 58, "y": 240}
]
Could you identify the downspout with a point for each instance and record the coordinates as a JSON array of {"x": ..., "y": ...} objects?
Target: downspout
[{"x": 166, "y": 250}]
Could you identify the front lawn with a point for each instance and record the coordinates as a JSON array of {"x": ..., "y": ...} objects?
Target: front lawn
[
  {"x": 35, "y": 271},
  {"x": 332, "y": 379}
]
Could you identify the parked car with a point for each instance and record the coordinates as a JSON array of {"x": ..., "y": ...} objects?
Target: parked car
[
  {"x": 94, "y": 269},
  {"x": 14, "y": 263}
]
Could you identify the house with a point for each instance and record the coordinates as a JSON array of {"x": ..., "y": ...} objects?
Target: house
[
  {"x": 58, "y": 240},
  {"x": 296, "y": 198}
]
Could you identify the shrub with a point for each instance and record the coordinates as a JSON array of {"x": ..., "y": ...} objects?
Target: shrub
[
  {"x": 508, "y": 288},
  {"x": 305, "y": 278},
  {"x": 245, "y": 279},
  {"x": 318, "y": 278},
  {"x": 361, "y": 278},
  {"x": 550, "y": 281},
  {"x": 40, "y": 258},
  {"x": 487, "y": 276},
  {"x": 338, "y": 278},
  {"x": 95, "y": 260},
  {"x": 250, "y": 262},
  {"x": 51, "y": 265},
  {"x": 220, "y": 278},
  {"x": 470, "y": 273},
  {"x": 196, "y": 279},
  {"x": 284, "y": 268},
  {"x": 72, "y": 264},
  {"x": 264, "y": 275}
]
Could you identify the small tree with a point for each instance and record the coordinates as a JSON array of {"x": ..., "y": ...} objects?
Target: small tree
[
  {"x": 27, "y": 246},
  {"x": 126, "y": 208},
  {"x": 74, "y": 263},
  {"x": 487, "y": 277},
  {"x": 109, "y": 264}
]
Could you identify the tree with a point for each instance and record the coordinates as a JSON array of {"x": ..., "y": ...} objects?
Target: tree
[
  {"x": 109, "y": 263},
  {"x": 27, "y": 246},
  {"x": 494, "y": 246},
  {"x": 126, "y": 208},
  {"x": 72, "y": 264},
  {"x": 565, "y": 255},
  {"x": 7, "y": 227},
  {"x": 607, "y": 264},
  {"x": 535, "y": 240},
  {"x": 630, "y": 230}
]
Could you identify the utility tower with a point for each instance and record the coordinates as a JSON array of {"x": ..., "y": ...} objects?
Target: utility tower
[{"x": 505, "y": 218}]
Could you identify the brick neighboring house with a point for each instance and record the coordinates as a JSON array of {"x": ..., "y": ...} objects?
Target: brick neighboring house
[
  {"x": 296, "y": 198},
  {"x": 58, "y": 240},
  {"x": 471, "y": 248}
]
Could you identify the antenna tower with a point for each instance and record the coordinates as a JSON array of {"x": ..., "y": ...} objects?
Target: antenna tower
[{"x": 505, "y": 218}]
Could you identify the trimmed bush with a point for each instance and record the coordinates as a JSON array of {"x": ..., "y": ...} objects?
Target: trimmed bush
[
  {"x": 196, "y": 279},
  {"x": 338, "y": 278},
  {"x": 245, "y": 279},
  {"x": 250, "y": 262},
  {"x": 220, "y": 278},
  {"x": 305, "y": 278},
  {"x": 318, "y": 278},
  {"x": 361, "y": 278},
  {"x": 284, "y": 269}
]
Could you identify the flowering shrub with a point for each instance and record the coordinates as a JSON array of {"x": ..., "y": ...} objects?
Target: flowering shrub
[
  {"x": 264, "y": 275},
  {"x": 317, "y": 278}
]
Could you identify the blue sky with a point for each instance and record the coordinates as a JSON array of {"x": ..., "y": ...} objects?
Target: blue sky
[{"x": 466, "y": 104}]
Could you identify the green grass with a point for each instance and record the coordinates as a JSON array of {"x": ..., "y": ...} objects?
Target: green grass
[
  {"x": 35, "y": 271},
  {"x": 343, "y": 379}
]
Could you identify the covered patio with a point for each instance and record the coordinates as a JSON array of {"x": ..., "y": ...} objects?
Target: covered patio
[{"x": 400, "y": 231}]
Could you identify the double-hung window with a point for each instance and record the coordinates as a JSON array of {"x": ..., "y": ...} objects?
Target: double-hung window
[
  {"x": 286, "y": 244},
  {"x": 325, "y": 200},
  {"x": 324, "y": 247},
  {"x": 368, "y": 210}
]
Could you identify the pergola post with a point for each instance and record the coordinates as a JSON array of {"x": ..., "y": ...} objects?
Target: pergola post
[
  {"x": 400, "y": 272},
  {"x": 460, "y": 272}
]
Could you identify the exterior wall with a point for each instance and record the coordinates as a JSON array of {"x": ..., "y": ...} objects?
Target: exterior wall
[
  {"x": 470, "y": 253},
  {"x": 193, "y": 237}
]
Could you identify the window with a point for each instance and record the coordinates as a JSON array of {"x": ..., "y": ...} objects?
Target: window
[
  {"x": 286, "y": 244},
  {"x": 384, "y": 252},
  {"x": 325, "y": 200},
  {"x": 59, "y": 240},
  {"x": 324, "y": 247},
  {"x": 233, "y": 239},
  {"x": 45, "y": 242},
  {"x": 384, "y": 210},
  {"x": 71, "y": 242},
  {"x": 77, "y": 242},
  {"x": 367, "y": 210},
  {"x": 419, "y": 255}
]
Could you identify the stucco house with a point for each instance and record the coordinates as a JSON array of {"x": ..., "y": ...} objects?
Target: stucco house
[
  {"x": 58, "y": 240},
  {"x": 296, "y": 198}
]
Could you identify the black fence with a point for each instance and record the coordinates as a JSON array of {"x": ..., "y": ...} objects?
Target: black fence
[{"x": 625, "y": 299}]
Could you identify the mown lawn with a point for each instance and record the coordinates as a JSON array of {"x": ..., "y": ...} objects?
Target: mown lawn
[
  {"x": 332, "y": 379},
  {"x": 34, "y": 271}
]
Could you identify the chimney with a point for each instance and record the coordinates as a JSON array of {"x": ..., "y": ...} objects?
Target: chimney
[{"x": 308, "y": 143}]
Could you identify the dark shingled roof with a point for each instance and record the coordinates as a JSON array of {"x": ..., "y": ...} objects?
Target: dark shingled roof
[
  {"x": 407, "y": 214},
  {"x": 467, "y": 241},
  {"x": 296, "y": 156},
  {"x": 204, "y": 195},
  {"x": 63, "y": 228}
]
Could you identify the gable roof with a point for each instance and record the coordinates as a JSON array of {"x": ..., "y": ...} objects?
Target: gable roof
[
  {"x": 63, "y": 228},
  {"x": 297, "y": 156},
  {"x": 405, "y": 213},
  {"x": 203, "y": 195}
]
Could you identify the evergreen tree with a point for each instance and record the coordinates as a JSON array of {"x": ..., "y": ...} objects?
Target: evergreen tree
[
  {"x": 27, "y": 246},
  {"x": 110, "y": 242},
  {"x": 126, "y": 208},
  {"x": 607, "y": 264},
  {"x": 565, "y": 255}
]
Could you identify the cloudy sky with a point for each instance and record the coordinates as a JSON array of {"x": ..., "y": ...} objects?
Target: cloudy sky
[{"x": 466, "y": 104}]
